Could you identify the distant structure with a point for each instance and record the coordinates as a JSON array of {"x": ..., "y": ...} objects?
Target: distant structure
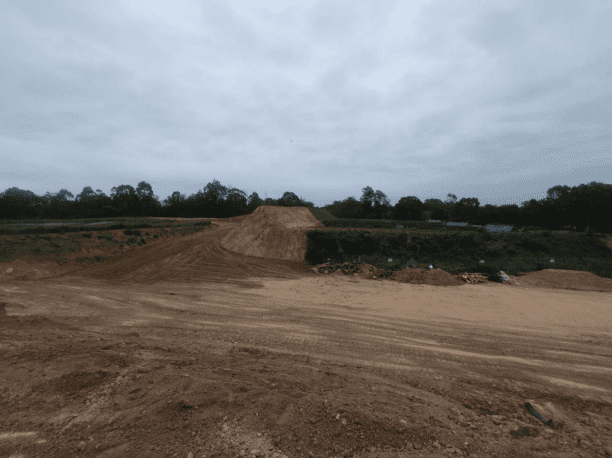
[
  {"x": 488, "y": 227},
  {"x": 493, "y": 228}
]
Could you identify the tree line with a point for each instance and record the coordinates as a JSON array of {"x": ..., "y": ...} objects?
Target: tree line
[{"x": 580, "y": 207}]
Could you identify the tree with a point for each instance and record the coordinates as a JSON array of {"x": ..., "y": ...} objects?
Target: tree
[
  {"x": 374, "y": 203},
  {"x": 121, "y": 190},
  {"x": 451, "y": 200},
  {"x": 86, "y": 204},
  {"x": 254, "y": 201},
  {"x": 110, "y": 212},
  {"x": 86, "y": 193},
  {"x": 408, "y": 208},
  {"x": 467, "y": 208},
  {"x": 289, "y": 199},
  {"x": 144, "y": 189},
  {"x": 124, "y": 198},
  {"x": 214, "y": 193},
  {"x": 556, "y": 192},
  {"x": 593, "y": 203},
  {"x": 176, "y": 204},
  {"x": 235, "y": 203},
  {"x": 434, "y": 208}
]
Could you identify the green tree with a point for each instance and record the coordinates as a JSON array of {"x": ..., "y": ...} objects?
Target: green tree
[
  {"x": 467, "y": 209},
  {"x": 289, "y": 199},
  {"x": 451, "y": 201},
  {"x": 254, "y": 201},
  {"x": 408, "y": 208},
  {"x": 144, "y": 189},
  {"x": 175, "y": 205},
  {"x": 434, "y": 208},
  {"x": 235, "y": 203}
]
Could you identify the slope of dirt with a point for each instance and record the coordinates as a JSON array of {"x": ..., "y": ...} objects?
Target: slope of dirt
[
  {"x": 313, "y": 367},
  {"x": 269, "y": 243},
  {"x": 272, "y": 232},
  {"x": 76, "y": 251},
  {"x": 184, "y": 348}
]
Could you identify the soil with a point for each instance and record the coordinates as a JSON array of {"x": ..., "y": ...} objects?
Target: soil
[{"x": 183, "y": 347}]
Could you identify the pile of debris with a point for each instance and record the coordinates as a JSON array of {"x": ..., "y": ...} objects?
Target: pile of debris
[
  {"x": 409, "y": 274},
  {"x": 474, "y": 278},
  {"x": 348, "y": 268}
]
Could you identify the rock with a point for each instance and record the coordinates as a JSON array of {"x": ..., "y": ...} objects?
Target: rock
[{"x": 81, "y": 446}]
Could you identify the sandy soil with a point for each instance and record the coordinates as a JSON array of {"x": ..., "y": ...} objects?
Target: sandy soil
[{"x": 185, "y": 347}]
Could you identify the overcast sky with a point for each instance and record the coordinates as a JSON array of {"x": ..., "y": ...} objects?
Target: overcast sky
[{"x": 498, "y": 100}]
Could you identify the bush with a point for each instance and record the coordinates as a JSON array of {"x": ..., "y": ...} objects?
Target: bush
[
  {"x": 86, "y": 235},
  {"x": 110, "y": 212},
  {"x": 143, "y": 241},
  {"x": 131, "y": 232},
  {"x": 155, "y": 236}
]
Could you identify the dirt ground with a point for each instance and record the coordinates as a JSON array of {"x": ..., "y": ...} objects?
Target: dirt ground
[{"x": 187, "y": 347}]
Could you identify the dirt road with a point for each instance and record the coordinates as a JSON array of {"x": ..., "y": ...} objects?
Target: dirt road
[{"x": 186, "y": 347}]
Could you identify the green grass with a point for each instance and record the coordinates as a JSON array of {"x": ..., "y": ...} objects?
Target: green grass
[
  {"x": 461, "y": 251},
  {"x": 37, "y": 242},
  {"x": 323, "y": 215}
]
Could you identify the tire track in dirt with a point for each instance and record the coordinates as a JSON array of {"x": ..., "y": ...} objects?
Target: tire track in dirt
[{"x": 195, "y": 258}]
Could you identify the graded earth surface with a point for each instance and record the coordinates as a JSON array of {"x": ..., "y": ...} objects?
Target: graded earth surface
[{"x": 225, "y": 343}]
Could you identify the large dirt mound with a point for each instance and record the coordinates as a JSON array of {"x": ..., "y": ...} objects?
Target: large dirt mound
[
  {"x": 272, "y": 232},
  {"x": 566, "y": 279},
  {"x": 269, "y": 243}
]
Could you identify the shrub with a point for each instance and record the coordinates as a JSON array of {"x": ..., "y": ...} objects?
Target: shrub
[
  {"x": 143, "y": 241},
  {"x": 86, "y": 235},
  {"x": 110, "y": 212},
  {"x": 155, "y": 236}
]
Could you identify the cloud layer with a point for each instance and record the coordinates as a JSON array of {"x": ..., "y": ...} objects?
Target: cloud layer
[{"x": 495, "y": 100}]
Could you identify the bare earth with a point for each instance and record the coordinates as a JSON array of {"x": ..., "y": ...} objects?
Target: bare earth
[{"x": 187, "y": 345}]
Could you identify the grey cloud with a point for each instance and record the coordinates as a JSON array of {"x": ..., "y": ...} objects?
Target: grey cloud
[{"x": 442, "y": 95}]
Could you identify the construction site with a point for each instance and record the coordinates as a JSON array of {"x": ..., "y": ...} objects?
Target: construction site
[{"x": 227, "y": 343}]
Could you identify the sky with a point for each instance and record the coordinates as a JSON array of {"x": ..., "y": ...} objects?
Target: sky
[{"x": 498, "y": 100}]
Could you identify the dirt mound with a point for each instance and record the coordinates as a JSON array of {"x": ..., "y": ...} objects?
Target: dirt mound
[
  {"x": 415, "y": 276},
  {"x": 566, "y": 279},
  {"x": 548, "y": 278},
  {"x": 269, "y": 243},
  {"x": 272, "y": 232}
]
